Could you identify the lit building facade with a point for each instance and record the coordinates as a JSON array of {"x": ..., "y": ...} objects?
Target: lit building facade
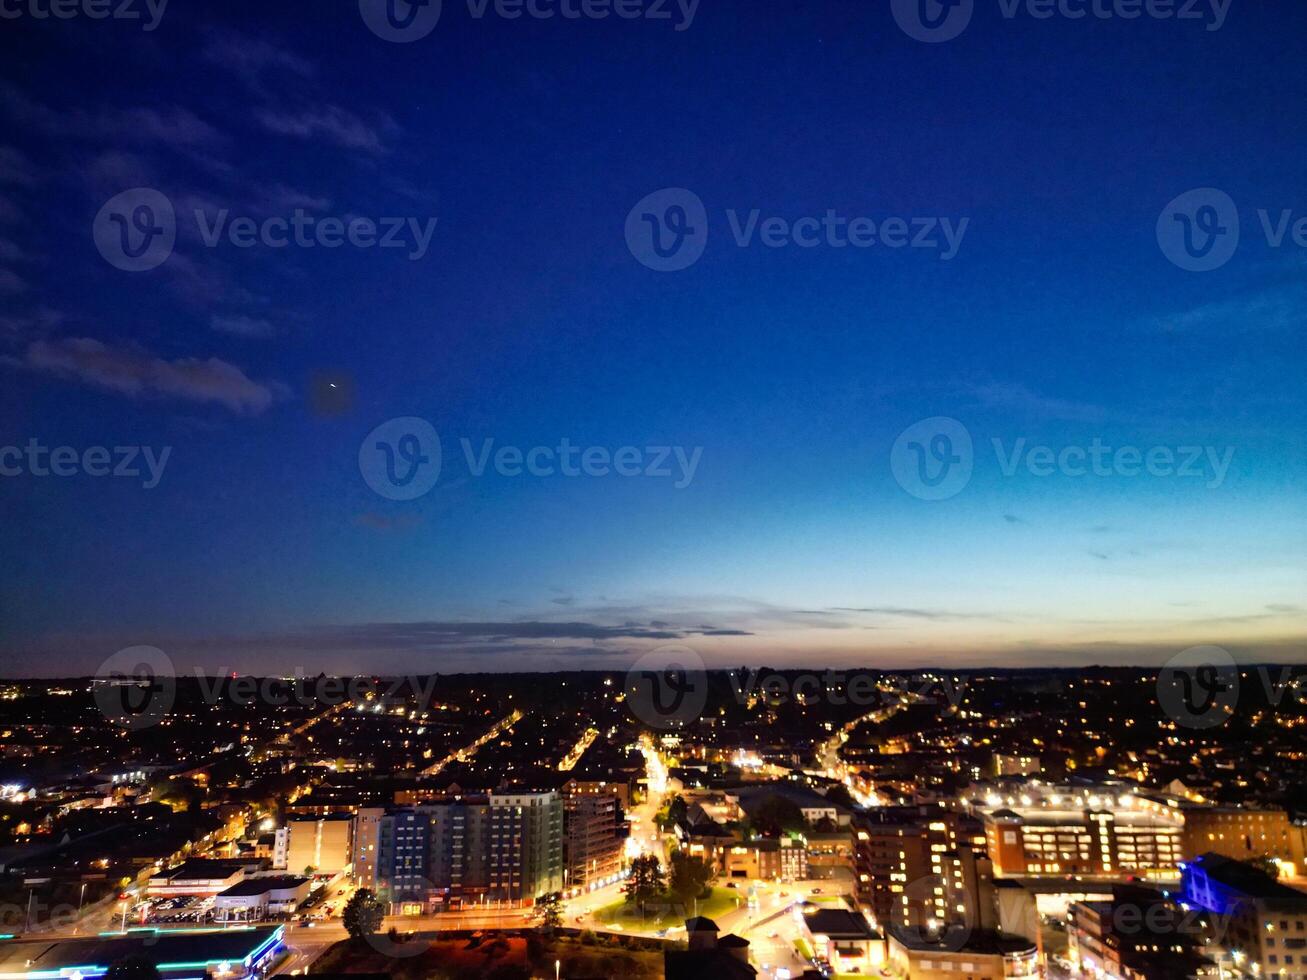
[{"x": 504, "y": 848}]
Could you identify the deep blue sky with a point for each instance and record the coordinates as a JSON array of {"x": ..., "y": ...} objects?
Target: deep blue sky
[{"x": 1059, "y": 320}]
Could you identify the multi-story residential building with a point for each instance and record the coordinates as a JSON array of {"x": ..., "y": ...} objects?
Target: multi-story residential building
[
  {"x": 1257, "y": 927},
  {"x": 505, "y": 847},
  {"x": 1040, "y": 829},
  {"x": 1010, "y": 764},
  {"x": 766, "y": 859},
  {"x": 919, "y": 867},
  {"x": 620, "y": 786},
  {"x": 1139, "y": 934},
  {"x": 1241, "y": 833},
  {"x": 592, "y": 843}
]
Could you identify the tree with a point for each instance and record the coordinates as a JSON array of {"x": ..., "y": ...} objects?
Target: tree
[
  {"x": 677, "y": 810},
  {"x": 840, "y": 796},
  {"x": 1267, "y": 865},
  {"x": 645, "y": 880},
  {"x": 775, "y": 815},
  {"x": 549, "y": 911},
  {"x": 689, "y": 876},
  {"x": 363, "y": 914},
  {"x": 132, "y": 968}
]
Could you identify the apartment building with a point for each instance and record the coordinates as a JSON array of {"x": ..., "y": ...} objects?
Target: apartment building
[{"x": 506, "y": 847}]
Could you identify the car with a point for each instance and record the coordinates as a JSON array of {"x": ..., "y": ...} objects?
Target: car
[
  {"x": 731, "y": 884},
  {"x": 816, "y": 891}
]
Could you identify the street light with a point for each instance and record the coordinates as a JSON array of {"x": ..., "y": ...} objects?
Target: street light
[{"x": 78, "y": 925}]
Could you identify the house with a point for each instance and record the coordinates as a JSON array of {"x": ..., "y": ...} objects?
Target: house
[{"x": 725, "y": 958}]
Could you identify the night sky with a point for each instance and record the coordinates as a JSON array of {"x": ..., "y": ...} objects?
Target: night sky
[{"x": 1059, "y": 320}]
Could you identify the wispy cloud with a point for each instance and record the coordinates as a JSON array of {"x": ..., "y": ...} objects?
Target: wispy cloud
[
  {"x": 254, "y": 60},
  {"x": 330, "y": 123},
  {"x": 1019, "y": 398},
  {"x": 172, "y": 126},
  {"x": 138, "y": 373},
  {"x": 1282, "y": 308},
  {"x": 242, "y": 326}
]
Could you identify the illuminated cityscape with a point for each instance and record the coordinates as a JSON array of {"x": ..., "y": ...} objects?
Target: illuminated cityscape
[{"x": 653, "y": 490}]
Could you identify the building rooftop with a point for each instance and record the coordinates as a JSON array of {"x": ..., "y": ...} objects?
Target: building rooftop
[
  {"x": 258, "y": 886},
  {"x": 1247, "y": 879},
  {"x": 200, "y": 868},
  {"x": 837, "y": 923},
  {"x": 174, "y": 953}
]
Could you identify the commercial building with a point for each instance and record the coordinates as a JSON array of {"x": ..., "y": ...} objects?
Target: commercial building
[
  {"x": 228, "y": 953},
  {"x": 505, "y": 848},
  {"x": 257, "y": 898},
  {"x": 980, "y": 954},
  {"x": 199, "y": 878},
  {"x": 1256, "y": 925},
  {"x": 844, "y": 940},
  {"x": 1040, "y": 829},
  {"x": 321, "y": 843}
]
